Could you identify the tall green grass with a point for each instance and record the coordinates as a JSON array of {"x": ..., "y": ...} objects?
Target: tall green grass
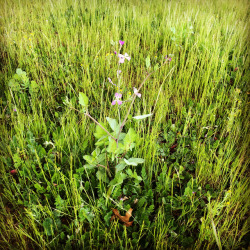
[{"x": 65, "y": 47}]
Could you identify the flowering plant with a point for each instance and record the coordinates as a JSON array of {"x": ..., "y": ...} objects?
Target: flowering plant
[{"x": 114, "y": 147}]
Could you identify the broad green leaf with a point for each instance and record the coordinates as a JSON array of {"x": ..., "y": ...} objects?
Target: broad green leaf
[
  {"x": 129, "y": 138},
  {"x": 86, "y": 213},
  {"x": 107, "y": 218},
  {"x": 129, "y": 172},
  {"x": 83, "y": 99},
  {"x": 60, "y": 203},
  {"x": 113, "y": 182},
  {"x": 102, "y": 140},
  {"x": 84, "y": 145},
  {"x": 86, "y": 166},
  {"x": 156, "y": 67},
  {"x": 148, "y": 62},
  {"x": 119, "y": 178},
  {"x": 121, "y": 137},
  {"x": 101, "y": 158},
  {"x": 99, "y": 132},
  {"x": 20, "y": 72},
  {"x": 39, "y": 188},
  {"x": 86, "y": 185},
  {"x": 134, "y": 175},
  {"x": 34, "y": 87},
  {"x": 14, "y": 85},
  {"x": 101, "y": 176},
  {"x": 120, "y": 166},
  {"x": 138, "y": 178},
  {"x": 139, "y": 117},
  {"x": 89, "y": 159},
  {"x": 132, "y": 145},
  {"x": 141, "y": 202},
  {"x": 188, "y": 191},
  {"x": 134, "y": 161},
  {"x": 112, "y": 146},
  {"x": 17, "y": 77},
  {"x": 96, "y": 152},
  {"x": 48, "y": 226},
  {"x": 112, "y": 123},
  {"x": 81, "y": 170}
]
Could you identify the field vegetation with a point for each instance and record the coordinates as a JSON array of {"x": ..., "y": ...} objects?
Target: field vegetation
[{"x": 177, "y": 179}]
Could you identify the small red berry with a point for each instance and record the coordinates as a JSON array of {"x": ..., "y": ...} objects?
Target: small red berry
[{"x": 14, "y": 171}]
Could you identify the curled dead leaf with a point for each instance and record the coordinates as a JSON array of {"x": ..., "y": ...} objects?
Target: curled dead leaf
[
  {"x": 124, "y": 219},
  {"x": 174, "y": 146}
]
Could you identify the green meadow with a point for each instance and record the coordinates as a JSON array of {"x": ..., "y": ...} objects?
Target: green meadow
[{"x": 73, "y": 175}]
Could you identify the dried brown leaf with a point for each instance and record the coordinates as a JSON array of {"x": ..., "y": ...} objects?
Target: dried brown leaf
[{"x": 124, "y": 219}]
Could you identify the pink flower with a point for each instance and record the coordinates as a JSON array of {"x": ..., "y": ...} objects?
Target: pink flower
[
  {"x": 121, "y": 42},
  {"x": 123, "y": 57},
  {"x": 118, "y": 73},
  {"x": 136, "y": 92},
  {"x": 168, "y": 58},
  {"x": 115, "y": 52},
  {"x": 111, "y": 81},
  {"x": 117, "y": 99}
]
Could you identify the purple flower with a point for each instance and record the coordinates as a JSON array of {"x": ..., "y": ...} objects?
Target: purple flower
[
  {"x": 115, "y": 52},
  {"x": 118, "y": 73},
  {"x": 121, "y": 42},
  {"x": 168, "y": 58},
  {"x": 111, "y": 81},
  {"x": 14, "y": 110},
  {"x": 136, "y": 92},
  {"x": 123, "y": 57},
  {"x": 117, "y": 99}
]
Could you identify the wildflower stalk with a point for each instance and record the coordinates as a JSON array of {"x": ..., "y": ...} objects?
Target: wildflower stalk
[
  {"x": 132, "y": 102},
  {"x": 119, "y": 115},
  {"x": 96, "y": 122},
  {"x": 87, "y": 114}
]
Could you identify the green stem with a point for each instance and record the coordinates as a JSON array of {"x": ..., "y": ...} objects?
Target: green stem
[
  {"x": 87, "y": 114},
  {"x": 99, "y": 165},
  {"x": 132, "y": 102},
  {"x": 95, "y": 121}
]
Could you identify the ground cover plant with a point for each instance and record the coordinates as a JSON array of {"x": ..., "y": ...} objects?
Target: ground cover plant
[{"x": 124, "y": 124}]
